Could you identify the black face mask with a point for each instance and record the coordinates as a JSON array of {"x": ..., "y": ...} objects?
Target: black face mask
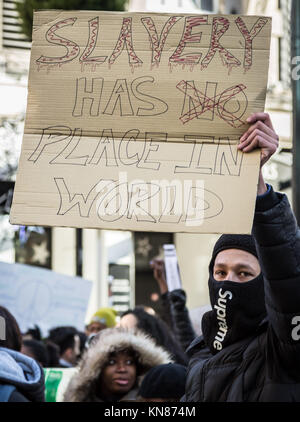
[{"x": 238, "y": 309}]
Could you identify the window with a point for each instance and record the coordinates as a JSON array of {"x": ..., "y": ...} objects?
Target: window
[
  {"x": 279, "y": 58},
  {"x": 12, "y": 32},
  {"x": 207, "y": 5}
]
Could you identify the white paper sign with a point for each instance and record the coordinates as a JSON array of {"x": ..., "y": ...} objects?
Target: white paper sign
[
  {"x": 39, "y": 296},
  {"x": 172, "y": 269}
]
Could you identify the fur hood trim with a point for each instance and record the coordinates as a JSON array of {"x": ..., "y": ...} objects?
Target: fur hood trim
[{"x": 108, "y": 341}]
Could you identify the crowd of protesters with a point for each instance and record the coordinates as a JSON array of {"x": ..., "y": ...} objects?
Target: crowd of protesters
[
  {"x": 111, "y": 360},
  {"x": 249, "y": 347}
]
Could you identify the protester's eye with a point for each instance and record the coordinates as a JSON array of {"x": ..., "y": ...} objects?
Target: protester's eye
[
  {"x": 220, "y": 273},
  {"x": 129, "y": 362},
  {"x": 245, "y": 274},
  {"x": 111, "y": 362}
]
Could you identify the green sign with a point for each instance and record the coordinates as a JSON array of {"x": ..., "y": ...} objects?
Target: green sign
[{"x": 56, "y": 382}]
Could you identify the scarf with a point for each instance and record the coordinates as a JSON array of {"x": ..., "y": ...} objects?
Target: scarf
[{"x": 237, "y": 310}]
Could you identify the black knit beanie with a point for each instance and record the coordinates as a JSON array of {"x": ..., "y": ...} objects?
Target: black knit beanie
[
  {"x": 165, "y": 381},
  {"x": 244, "y": 242}
]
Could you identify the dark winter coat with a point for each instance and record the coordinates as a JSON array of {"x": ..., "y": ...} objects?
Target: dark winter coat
[{"x": 264, "y": 367}]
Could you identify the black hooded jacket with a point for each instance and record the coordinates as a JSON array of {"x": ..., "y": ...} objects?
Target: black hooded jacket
[{"x": 264, "y": 367}]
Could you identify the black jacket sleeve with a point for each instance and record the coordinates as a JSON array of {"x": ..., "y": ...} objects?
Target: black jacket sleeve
[
  {"x": 165, "y": 310},
  {"x": 182, "y": 325},
  {"x": 278, "y": 242}
]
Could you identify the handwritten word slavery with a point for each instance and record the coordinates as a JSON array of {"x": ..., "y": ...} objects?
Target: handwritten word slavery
[{"x": 218, "y": 27}]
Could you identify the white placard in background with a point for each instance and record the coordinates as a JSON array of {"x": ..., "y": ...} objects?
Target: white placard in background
[
  {"x": 172, "y": 270},
  {"x": 43, "y": 297}
]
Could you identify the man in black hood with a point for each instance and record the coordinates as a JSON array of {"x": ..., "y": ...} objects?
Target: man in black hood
[
  {"x": 250, "y": 347},
  {"x": 236, "y": 291}
]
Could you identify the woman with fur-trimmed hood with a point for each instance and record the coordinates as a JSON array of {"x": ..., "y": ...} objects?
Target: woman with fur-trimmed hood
[{"x": 113, "y": 366}]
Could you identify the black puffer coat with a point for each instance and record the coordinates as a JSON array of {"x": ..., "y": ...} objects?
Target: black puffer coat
[{"x": 265, "y": 367}]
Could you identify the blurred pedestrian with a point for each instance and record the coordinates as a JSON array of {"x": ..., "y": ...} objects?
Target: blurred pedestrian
[
  {"x": 82, "y": 343},
  {"x": 13, "y": 336},
  {"x": 155, "y": 327},
  {"x": 37, "y": 350},
  {"x": 103, "y": 318},
  {"x": 33, "y": 334},
  {"x": 163, "y": 383},
  {"x": 68, "y": 340},
  {"x": 53, "y": 352}
]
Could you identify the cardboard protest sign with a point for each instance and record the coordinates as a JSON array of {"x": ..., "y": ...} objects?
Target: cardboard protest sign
[
  {"x": 43, "y": 297},
  {"x": 133, "y": 121}
]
